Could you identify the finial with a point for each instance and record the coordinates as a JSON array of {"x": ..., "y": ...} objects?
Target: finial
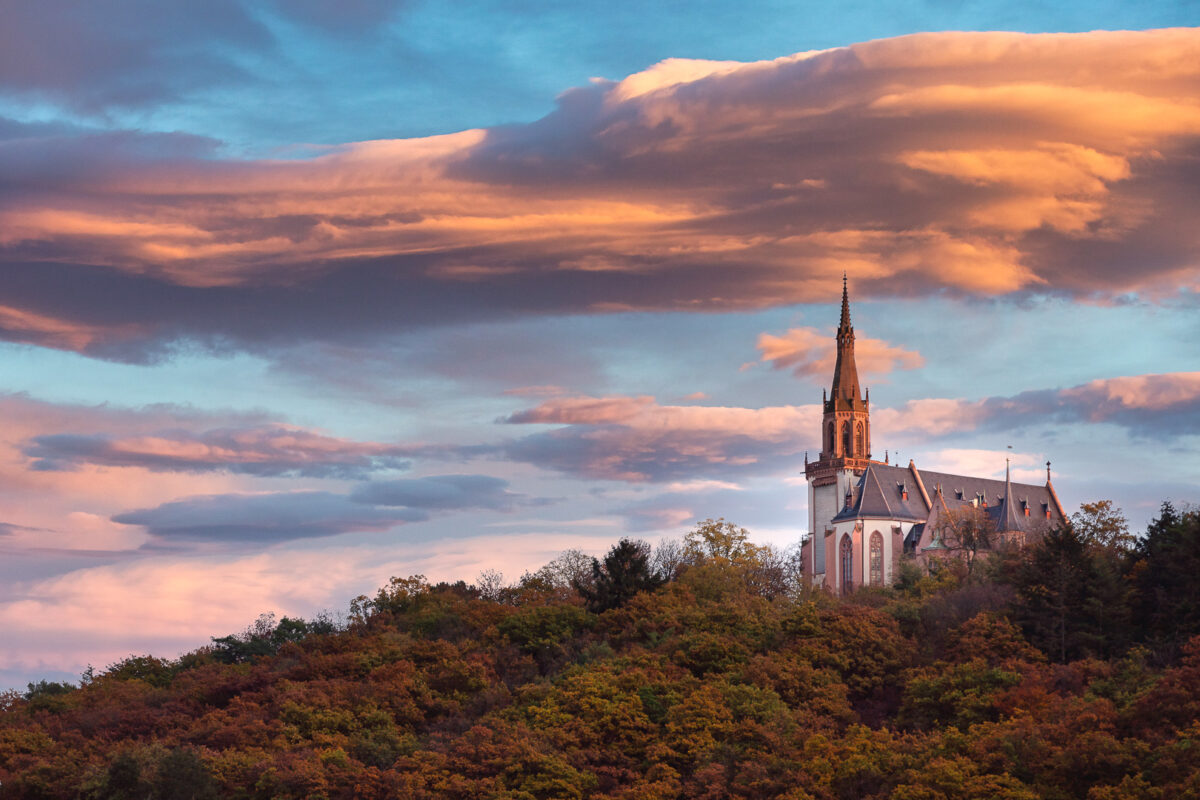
[
  {"x": 1047, "y": 472},
  {"x": 885, "y": 456}
]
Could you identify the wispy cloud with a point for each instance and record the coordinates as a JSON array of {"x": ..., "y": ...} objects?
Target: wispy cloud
[
  {"x": 283, "y": 516},
  {"x": 265, "y": 450},
  {"x": 636, "y": 439},
  {"x": 265, "y": 518}
]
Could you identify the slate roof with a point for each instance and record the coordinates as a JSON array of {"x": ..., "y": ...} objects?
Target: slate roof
[
  {"x": 879, "y": 495},
  {"x": 962, "y": 490}
]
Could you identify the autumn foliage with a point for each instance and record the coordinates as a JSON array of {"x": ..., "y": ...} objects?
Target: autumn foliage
[{"x": 1070, "y": 669}]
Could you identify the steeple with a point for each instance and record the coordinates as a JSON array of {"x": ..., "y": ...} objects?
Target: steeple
[
  {"x": 1008, "y": 519},
  {"x": 846, "y": 424},
  {"x": 845, "y": 323},
  {"x": 846, "y": 394}
]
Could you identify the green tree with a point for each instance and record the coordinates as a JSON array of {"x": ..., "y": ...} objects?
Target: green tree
[
  {"x": 1168, "y": 592},
  {"x": 625, "y": 572},
  {"x": 1070, "y": 599},
  {"x": 182, "y": 775}
]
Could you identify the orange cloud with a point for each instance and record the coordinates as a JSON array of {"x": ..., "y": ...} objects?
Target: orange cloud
[
  {"x": 1106, "y": 397},
  {"x": 809, "y": 352},
  {"x": 986, "y": 162}
]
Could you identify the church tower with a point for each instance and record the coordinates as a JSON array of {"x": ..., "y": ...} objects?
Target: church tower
[{"x": 845, "y": 439}]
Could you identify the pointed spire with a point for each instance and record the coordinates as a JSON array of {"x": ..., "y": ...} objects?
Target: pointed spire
[
  {"x": 845, "y": 323},
  {"x": 1008, "y": 520},
  {"x": 846, "y": 393}
]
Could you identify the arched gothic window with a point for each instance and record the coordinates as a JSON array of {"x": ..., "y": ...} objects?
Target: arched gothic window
[
  {"x": 846, "y": 451},
  {"x": 847, "y": 564},
  {"x": 830, "y": 441},
  {"x": 876, "y": 559},
  {"x": 860, "y": 449}
]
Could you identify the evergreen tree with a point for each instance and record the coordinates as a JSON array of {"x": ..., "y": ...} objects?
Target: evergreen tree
[
  {"x": 1071, "y": 598},
  {"x": 1168, "y": 591},
  {"x": 625, "y": 572}
]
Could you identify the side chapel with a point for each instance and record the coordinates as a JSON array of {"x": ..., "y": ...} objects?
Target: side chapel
[{"x": 864, "y": 514}]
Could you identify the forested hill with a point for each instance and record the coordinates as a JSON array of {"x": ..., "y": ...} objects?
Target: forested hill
[{"x": 1070, "y": 669}]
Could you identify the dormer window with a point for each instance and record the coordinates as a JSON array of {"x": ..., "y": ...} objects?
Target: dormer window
[
  {"x": 903, "y": 489},
  {"x": 959, "y": 494}
]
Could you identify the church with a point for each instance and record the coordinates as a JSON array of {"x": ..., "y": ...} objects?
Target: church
[{"x": 865, "y": 514}]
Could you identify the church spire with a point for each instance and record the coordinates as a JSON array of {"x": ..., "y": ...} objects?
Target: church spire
[
  {"x": 845, "y": 323},
  {"x": 1008, "y": 518},
  {"x": 846, "y": 393}
]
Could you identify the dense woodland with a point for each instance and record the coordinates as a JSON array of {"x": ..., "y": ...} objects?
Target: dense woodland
[{"x": 704, "y": 669}]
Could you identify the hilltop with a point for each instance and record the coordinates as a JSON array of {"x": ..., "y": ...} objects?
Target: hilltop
[{"x": 1066, "y": 669}]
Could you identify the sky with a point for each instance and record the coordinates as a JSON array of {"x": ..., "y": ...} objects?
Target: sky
[{"x": 295, "y": 299}]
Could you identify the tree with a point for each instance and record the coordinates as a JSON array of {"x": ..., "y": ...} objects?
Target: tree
[
  {"x": 1168, "y": 593},
  {"x": 625, "y": 572},
  {"x": 1071, "y": 601},
  {"x": 718, "y": 539},
  {"x": 183, "y": 775},
  {"x": 1100, "y": 524},
  {"x": 966, "y": 532},
  {"x": 670, "y": 558}
]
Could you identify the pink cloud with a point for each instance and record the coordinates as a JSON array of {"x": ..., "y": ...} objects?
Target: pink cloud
[
  {"x": 1102, "y": 399},
  {"x": 268, "y": 450},
  {"x": 637, "y": 439},
  {"x": 811, "y": 353},
  {"x": 114, "y": 459}
]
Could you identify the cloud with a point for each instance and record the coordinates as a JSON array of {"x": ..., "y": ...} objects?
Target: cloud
[
  {"x": 1163, "y": 406},
  {"x": 167, "y": 605},
  {"x": 126, "y": 53},
  {"x": 809, "y": 352},
  {"x": 637, "y": 439},
  {"x": 284, "y": 516},
  {"x": 440, "y": 492},
  {"x": 1025, "y": 467},
  {"x": 265, "y": 518},
  {"x": 266, "y": 450},
  {"x": 981, "y": 163}
]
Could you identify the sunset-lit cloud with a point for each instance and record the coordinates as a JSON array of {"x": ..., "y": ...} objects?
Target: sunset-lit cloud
[
  {"x": 637, "y": 439},
  {"x": 1159, "y": 406},
  {"x": 983, "y": 163},
  {"x": 267, "y": 450},
  {"x": 809, "y": 352}
]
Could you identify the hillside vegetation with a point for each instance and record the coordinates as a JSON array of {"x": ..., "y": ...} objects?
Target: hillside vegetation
[{"x": 1069, "y": 669}]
